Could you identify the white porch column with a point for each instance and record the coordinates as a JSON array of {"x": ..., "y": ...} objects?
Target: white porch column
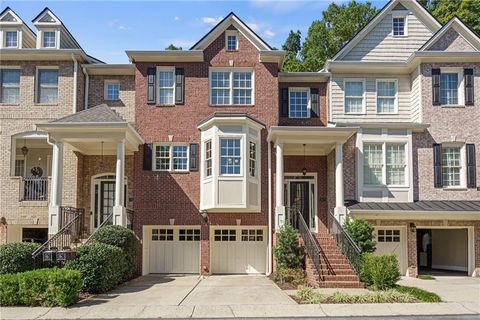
[
  {"x": 56, "y": 189},
  {"x": 119, "y": 213},
  {"x": 279, "y": 204},
  {"x": 340, "y": 209}
]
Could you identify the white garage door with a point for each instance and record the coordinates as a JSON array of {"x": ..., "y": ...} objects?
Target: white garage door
[
  {"x": 392, "y": 240},
  {"x": 174, "y": 250},
  {"x": 238, "y": 250}
]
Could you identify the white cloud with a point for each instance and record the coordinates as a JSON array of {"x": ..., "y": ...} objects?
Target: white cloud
[
  {"x": 176, "y": 18},
  {"x": 211, "y": 20},
  {"x": 269, "y": 33},
  {"x": 115, "y": 24},
  {"x": 253, "y": 26}
]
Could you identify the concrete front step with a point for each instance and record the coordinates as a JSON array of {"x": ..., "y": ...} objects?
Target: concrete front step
[{"x": 340, "y": 284}]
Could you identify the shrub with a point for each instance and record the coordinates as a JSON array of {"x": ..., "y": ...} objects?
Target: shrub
[
  {"x": 419, "y": 294},
  {"x": 361, "y": 233},
  {"x": 288, "y": 252},
  {"x": 381, "y": 272},
  {"x": 101, "y": 266},
  {"x": 42, "y": 287},
  {"x": 310, "y": 296},
  {"x": 17, "y": 257},
  {"x": 9, "y": 289},
  {"x": 123, "y": 238},
  {"x": 294, "y": 276}
]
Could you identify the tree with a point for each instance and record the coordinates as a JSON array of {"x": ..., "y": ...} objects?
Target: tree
[
  {"x": 292, "y": 47},
  {"x": 444, "y": 10},
  {"x": 288, "y": 252},
  {"x": 172, "y": 47},
  {"x": 361, "y": 233},
  {"x": 339, "y": 24}
]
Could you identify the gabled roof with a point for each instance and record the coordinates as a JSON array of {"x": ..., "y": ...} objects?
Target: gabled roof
[
  {"x": 231, "y": 19},
  {"x": 46, "y": 16},
  {"x": 99, "y": 114},
  {"x": 10, "y": 17},
  {"x": 423, "y": 13},
  {"x": 461, "y": 28}
]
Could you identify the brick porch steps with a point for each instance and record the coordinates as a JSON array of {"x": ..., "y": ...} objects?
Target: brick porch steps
[{"x": 337, "y": 272}]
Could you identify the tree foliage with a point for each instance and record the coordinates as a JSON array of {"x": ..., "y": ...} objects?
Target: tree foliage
[
  {"x": 444, "y": 10},
  {"x": 292, "y": 47},
  {"x": 171, "y": 46},
  {"x": 361, "y": 233},
  {"x": 288, "y": 252}
]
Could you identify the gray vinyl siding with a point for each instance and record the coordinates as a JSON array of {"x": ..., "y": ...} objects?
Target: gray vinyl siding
[
  {"x": 65, "y": 42},
  {"x": 380, "y": 45},
  {"x": 403, "y": 99},
  {"x": 415, "y": 97}
]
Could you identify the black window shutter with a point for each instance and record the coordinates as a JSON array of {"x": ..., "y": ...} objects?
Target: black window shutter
[
  {"x": 437, "y": 165},
  {"x": 147, "y": 156},
  {"x": 194, "y": 157},
  {"x": 315, "y": 103},
  {"x": 471, "y": 166},
  {"x": 436, "y": 87},
  {"x": 151, "y": 85},
  {"x": 284, "y": 102},
  {"x": 469, "y": 91},
  {"x": 179, "y": 85}
]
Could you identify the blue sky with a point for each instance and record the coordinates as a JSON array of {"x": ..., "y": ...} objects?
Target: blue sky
[{"x": 105, "y": 29}]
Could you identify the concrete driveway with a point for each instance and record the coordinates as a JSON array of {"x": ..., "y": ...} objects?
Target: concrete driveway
[{"x": 159, "y": 290}]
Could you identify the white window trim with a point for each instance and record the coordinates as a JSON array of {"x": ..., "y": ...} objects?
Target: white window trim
[
  {"x": 460, "y": 87},
  {"x": 56, "y": 46},
  {"x": 231, "y": 33},
  {"x": 105, "y": 89},
  {"x": 309, "y": 102},
  {"x": 384, "y": 164},
  {"x": 362, "y": 80},
  {"x": 243, "y": 154},
  {"x": 37, "y": 85},
  {"x": 231, "y": 70},
  {"x": 170, "y": 145},
  {"x": 5, "y": 38},
  {"x": 463, "y": 163},
  {"x": 405, "y": 24},
  {"x": 377, "y": 96},
  {"x": 171, "y": 69}
]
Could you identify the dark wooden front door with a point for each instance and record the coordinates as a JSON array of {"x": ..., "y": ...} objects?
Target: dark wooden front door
[{"x": 299, "y": 192}]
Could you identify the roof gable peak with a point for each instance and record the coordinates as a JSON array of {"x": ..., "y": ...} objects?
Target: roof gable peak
[
  {"x": 8, "y": 16},
  {"x": 456, "y": 24},
  {"x": 46, "y": 17}
]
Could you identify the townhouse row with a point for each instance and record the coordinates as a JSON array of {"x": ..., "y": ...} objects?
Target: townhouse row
[{"x": 206, "y": 153}]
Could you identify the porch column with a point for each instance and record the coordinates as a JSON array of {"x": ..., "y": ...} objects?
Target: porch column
[
  {"x": 119, "y": 213},
  {"x": 279, "y": 204},
  {"x": 340, "y": 209},
  {"x": 56, "y": 189}
]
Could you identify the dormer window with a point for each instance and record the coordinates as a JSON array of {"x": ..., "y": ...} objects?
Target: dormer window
[
  {"x": 49, "y": 39},
  {"x": 231, "y": 40},
  {"x": 399, "y": 26},
  {"x": 11, "y": 39}
]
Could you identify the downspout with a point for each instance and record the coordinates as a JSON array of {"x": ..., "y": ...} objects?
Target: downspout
[
  {"x": 85, "y": 90},
  {"x": 75, "y": 76},
  {"x": 269, "y": 267}
]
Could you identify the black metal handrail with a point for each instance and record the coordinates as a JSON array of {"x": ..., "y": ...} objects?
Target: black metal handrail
[
  {"x": 71, "y": 224},
  {"x": 103, "y": 224},
  {"x": 346, "y": 244}
]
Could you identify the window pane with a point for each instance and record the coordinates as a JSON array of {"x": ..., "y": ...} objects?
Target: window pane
[
  {"x": 162, "y": 157},
  {"x": 451, "y": 166},
  {"x": 232, "y": 42},
  {"x": 386, "y": 89},
  {"x": 49, "y": 39},
  {"x": 166, "y": 96},
  {"x": 48, "y": 95},
  {"x": 166, "y": 83},
  {"x": 11, "y": 39},
  {"x": 354, "y": 89},
  {"x": 220, "y": 79},
  {"x": 180, "y": 157},
  {"x": 220, "y": 96},
  {"x": 10, "y": 86},
  {"x": 385, "y": 105},
  {"x": 230, "y": 159},
  {"x": 298, "y": 104},
  {"x": 48, "y": 77},
  {"x": 353, "y": 105},
  {"x": 208, "y": 158},
  {"x": 372, "y": 164},
  {"x": 396, "y": 164},
  {"x": 398, "y": 26},
  {"x": 252, "y": 159},
  {"x": 113, "y": 91},
  {"x": 242, "y": 88},
  {"x": 353, "y": 96},
  {"x": 48, "y": 86},
  {"x": 449, "y": 88}
]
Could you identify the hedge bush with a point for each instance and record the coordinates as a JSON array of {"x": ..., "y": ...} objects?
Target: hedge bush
[
  {"x": 123, "y": 238},
  {"x": 102, "y": 266},
  {"x": 380, "y": 272},
  {"x": 42, "y": 287},
  {"x": 296, "y": 277},
  {"x": 361, "y": 233},
  {"x": 288, "y": 252},
  {"x": 17, "y": 257}
]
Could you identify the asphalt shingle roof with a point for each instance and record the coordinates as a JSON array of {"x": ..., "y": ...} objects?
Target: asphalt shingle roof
[
  {"x": 100, "y": 113},
  {"x": 463, "y": 206}
]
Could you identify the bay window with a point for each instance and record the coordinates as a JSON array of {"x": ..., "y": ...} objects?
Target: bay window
[
  {"x": 169, "y": 157},
  {"x": 230, "y": 158},
  {"x": 384, "y": 164},
  {"x": 231, "y": 87},
  {"x": 10, "y": 86},
  {"x": 47, "y": 86},
  {"x": 354, "y": 96},
  {"x": 386, "y": 96}
]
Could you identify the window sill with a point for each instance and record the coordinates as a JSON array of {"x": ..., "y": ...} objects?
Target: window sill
[
  {"x": 9, "y": 104},
  {"x": 231, "y": 105},
  {"x": 165, "y": 105},
  {"x": 172, "y": 172},
  {"x": 453, "y": 106},
  {"x": 455, "y": 189},
  {"x": 47, "y": 104}
]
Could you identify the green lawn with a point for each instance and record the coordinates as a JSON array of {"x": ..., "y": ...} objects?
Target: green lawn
[{"x": 419, "y": 294}]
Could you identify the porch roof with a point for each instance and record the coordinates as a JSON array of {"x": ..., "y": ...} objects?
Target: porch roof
[{"x": 85, "y": 130}]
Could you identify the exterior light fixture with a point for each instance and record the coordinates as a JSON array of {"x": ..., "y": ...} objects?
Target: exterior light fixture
[
  {"x": 204, "y": 214},
  {"x": 24, "y": 148},
  {"x": 413, "y": 227},
  {"x": 304, "y": 170}
]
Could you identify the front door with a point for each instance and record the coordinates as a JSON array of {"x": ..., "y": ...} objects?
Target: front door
[
  {"x": 299, "y": 199},
  {"x": 107, "y": 200}
]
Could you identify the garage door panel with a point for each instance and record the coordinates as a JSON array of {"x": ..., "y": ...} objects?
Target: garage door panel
[{"x": 392, "y": 240}]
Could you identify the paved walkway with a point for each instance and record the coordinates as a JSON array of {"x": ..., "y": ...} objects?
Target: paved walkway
[{"x": 219, "y": 296}]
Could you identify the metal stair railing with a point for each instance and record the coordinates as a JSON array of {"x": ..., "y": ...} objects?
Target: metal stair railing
[
  {"x": 346, "y": 244},
  {"x": 103, "y": 224}
]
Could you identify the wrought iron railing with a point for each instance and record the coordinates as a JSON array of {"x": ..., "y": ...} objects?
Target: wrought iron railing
[
  {"x": 33, "y": 189},
  {"x": 107, "y": 221},
  {"x": 346, "y": 244},
  {"x": 71, "y": 226}
]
